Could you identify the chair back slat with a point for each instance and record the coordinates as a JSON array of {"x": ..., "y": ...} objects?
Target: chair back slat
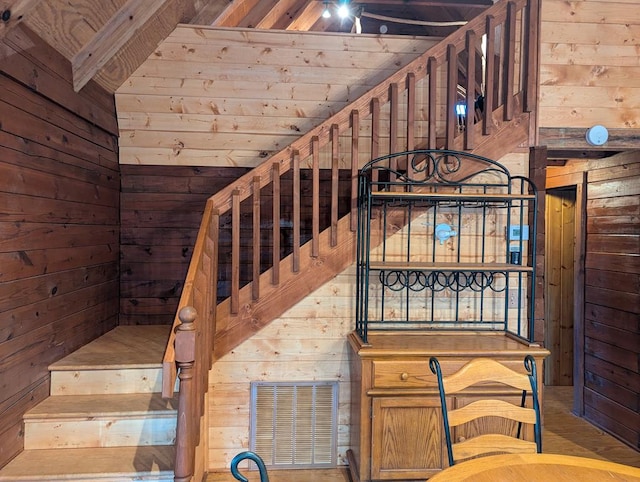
[
  {"x": 491, "y": 444},
  {"x": 491, "y": 408},
  {"x": 484, "y": 435},
  {"x": 483, "y": 370}
]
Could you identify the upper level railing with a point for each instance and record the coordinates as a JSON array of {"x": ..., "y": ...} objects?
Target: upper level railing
[{"x": 458, "y": 95}]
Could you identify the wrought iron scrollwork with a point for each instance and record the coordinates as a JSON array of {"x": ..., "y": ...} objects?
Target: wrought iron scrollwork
[
  {"x": 438, "y": 168},
  {"x": 418, "y": 280},
  {"x": 436, "y": 165}
]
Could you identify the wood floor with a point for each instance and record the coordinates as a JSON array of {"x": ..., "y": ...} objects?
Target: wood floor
[{"x": 563, "y": 433}]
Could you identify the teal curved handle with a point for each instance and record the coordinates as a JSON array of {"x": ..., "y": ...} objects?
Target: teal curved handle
[{"x": 264, "y": 477}]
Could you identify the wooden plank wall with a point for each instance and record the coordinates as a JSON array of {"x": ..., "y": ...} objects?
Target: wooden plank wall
[
  {"x": 308, "y": 342},
  {"x": 222, "y": 97},
  {"x": 59, "y": 192},
  {"x": 589, "y": 64},
  {"x": 612, "y": 292},
  {"x": 161, "y": 210}
]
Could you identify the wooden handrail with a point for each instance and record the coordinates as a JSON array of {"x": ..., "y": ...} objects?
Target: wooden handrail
[
  {"x": 190, "y": 347},
  {"x": 413, "y": 108}
]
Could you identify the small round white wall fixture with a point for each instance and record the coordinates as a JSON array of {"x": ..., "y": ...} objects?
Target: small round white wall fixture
[{"x": 597, "y": 135}]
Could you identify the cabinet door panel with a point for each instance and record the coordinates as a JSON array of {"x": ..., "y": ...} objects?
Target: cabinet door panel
[{"x": 407, "y": 438}]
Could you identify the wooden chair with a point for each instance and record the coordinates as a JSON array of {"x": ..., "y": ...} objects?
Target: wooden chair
[
  {"x": 264, "y": 477},
  {"x": 483, "y": 371}
]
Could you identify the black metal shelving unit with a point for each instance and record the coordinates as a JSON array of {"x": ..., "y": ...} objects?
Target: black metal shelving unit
[{"x": 446, "y": 240}]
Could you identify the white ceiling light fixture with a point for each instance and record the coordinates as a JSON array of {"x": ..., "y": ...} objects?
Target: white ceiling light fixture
[
  {"x": 326, "y": 13},
  {"x": 343, "y": 10}
]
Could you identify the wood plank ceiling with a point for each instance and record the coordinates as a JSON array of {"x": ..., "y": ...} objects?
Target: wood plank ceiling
[{"x": 106, "y": 40}]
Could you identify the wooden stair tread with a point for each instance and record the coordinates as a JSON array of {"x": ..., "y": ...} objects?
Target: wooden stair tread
[
  {"x": 129, "y": 404},
  {"x": 140, "y": 346},
  {"x": 90, "y": 463}
]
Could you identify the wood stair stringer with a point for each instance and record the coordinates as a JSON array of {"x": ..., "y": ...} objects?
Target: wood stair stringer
[{"x": 233, "y": 329}]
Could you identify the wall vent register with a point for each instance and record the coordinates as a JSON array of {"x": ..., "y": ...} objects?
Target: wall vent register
[{"x": 294, "y": 424}]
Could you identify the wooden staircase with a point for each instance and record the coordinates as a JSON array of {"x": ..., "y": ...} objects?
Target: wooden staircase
[
  {"x": 105, "y": 419},
  {"x": 415, "y": 108}
]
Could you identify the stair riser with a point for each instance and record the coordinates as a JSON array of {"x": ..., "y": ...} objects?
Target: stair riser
[
  {"x": 89, "y": 382},
  {"x": 77, "y": 433}
]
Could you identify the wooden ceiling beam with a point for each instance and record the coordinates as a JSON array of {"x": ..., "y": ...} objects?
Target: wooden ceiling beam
[
  {"x": 562, "y": 138},
  {"x": 483, "y": 4},
  {"x": 571, "y": 142},
  {"x": 208, "y": 11},
  {"x": 257, "y": 13},
  {"x": 290, "y": 14},
  {"x": 111, "y": 38},
  {"x": 558, "y": 157},
  {"x": 307, "y": 17},
  {"x": 276, "y": 13},
  {"x": 12, "y": 12},
  {"x": 234, "y": 13}
]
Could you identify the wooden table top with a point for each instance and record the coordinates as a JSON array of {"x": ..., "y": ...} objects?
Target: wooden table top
[{"x": 537, "y": 467}]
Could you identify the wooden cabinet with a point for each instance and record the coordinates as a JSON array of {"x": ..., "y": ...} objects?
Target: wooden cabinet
[{"x": 397, "y": 430}]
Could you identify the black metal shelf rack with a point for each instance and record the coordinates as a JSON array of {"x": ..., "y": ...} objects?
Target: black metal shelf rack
[{"x": 411, "y": 275}]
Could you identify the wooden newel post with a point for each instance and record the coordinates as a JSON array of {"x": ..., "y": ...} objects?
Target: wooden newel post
[{"x": 185, "y": 345}]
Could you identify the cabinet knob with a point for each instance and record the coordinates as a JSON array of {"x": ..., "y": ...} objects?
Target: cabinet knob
[{"x": 404, "y": 376}]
